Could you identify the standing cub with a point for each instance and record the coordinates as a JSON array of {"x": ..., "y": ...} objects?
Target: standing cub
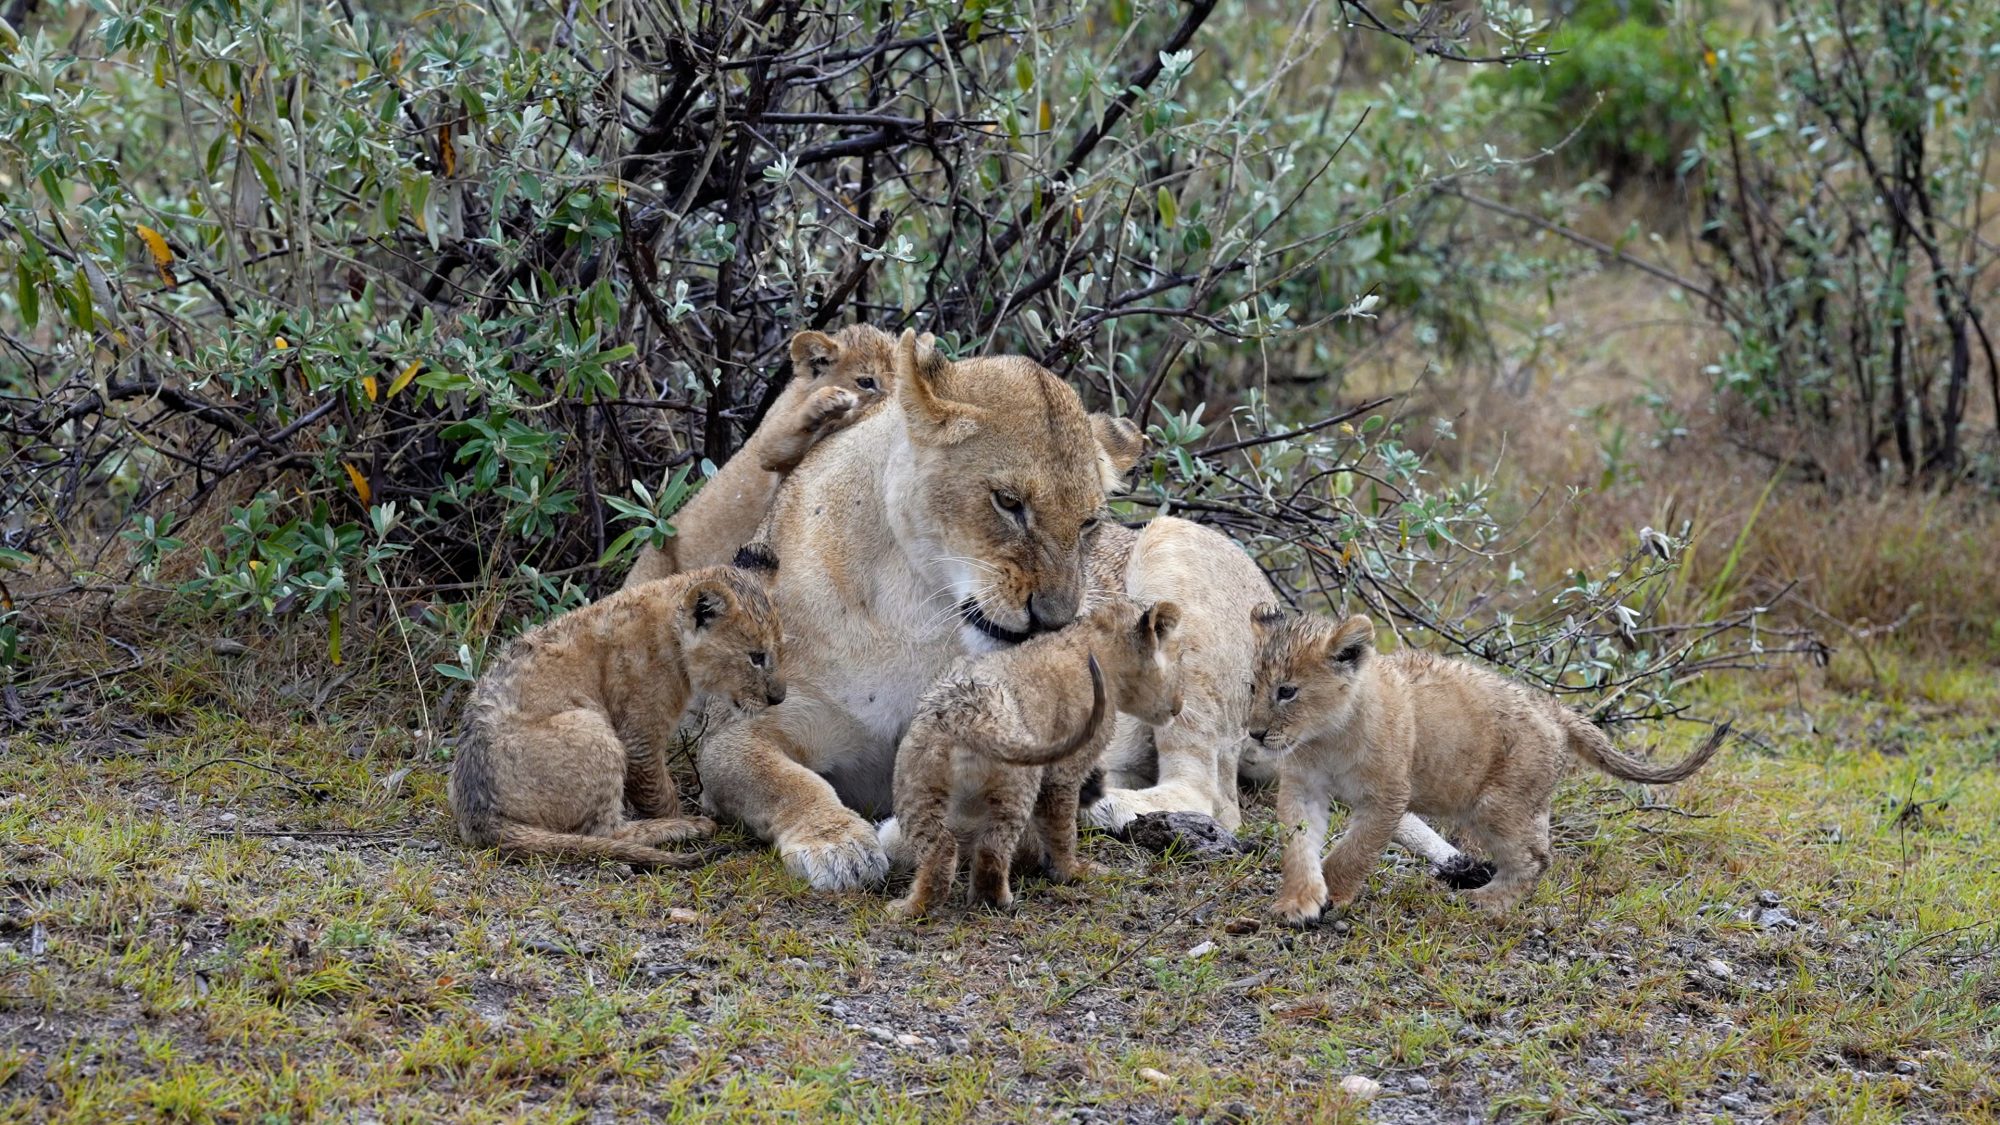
[
  {"x": 574, "y": 721},
  {"x": 1412, "y": 732},
  {"x": 1013, "y": 735}
]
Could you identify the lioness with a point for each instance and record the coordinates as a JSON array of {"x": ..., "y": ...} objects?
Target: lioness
[
  {"x": 948, "y": 521},
  {"x": 1413, "y": 731},
  {"x": 1011, "y": 735},
  {"x": 835, "y": 380},
  {"x": 575, "y": 718}
]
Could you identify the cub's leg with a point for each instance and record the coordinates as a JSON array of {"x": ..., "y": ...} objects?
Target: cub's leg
[
  {"x": 1304, "y": 806},
  {"x": 1055, "y": 820},
  {"x": 1009, "y": 802},
  {"x": 823, "y": 410},
  {"x": 760, "y": 772},
  {"x": 923, "y": 801},
  {"x": 649, "y": 784},
  {"x": 563, "y": 794},
  {"x": 1515, "y": 832},
  {"x": 1368, "y": 831}
]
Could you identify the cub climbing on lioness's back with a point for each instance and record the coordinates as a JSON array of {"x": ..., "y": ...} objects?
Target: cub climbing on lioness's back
[
  {"x": 572, "y": 724},
  {"x": 1410, "y": 731},
  {"x": 1002, "y": 743}
]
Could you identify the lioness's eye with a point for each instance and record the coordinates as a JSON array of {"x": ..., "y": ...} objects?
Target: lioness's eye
[
  {"x": 1009, "y": 504},
  {"x": 1287, "y": 692},
  {"x": 1090, "y": 524},
  {"x": 866, "y": 382},
  {"x": 758, "y": 659}
]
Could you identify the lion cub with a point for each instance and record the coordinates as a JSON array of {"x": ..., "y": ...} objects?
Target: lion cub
[
  {"x": 836, "y": 381},
  {"x": 1012, "y": 735},
  {"x": 575, "y": 719},
  {"x": 1412, "y": 732}
]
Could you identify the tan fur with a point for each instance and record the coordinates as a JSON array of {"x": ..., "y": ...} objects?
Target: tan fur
[
  {"x": 1411, "y": 731},
  {"x": 974, "y": 767},
  {"x": 573, "y": 722},
  {"x": 836, "y": 380}
]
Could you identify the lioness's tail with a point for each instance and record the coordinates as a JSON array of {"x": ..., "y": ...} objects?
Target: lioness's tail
[
  {"x": 1029, "y": 755},
  {"x": 520, "y": 839},
  {"x": 1591, "y": 744}
]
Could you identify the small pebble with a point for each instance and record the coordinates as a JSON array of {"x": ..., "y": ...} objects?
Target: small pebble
[
  {"x": 1157, "y": 1078},
  {"x": 908, "y": 1040},
  {"x": 1360, "y": 1087},
  {"x": 1734, "y": 1103},
  {"x": 682, "y": 916},
  {"x": 958, "y": 1044},
  {"x": 1905, "y": 1066},
  {"x": 1717, "y": 968},
  {"x": 1202, "y": 950},
  {"x": 1768, "y": 898},
  {"x": 1417, "y": 1084},
  {"x": 881, "y": 1035},
  {"x": 1242, "y": 926}
]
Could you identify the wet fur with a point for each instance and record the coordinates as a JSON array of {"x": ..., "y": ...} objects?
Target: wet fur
[
  {"x": 957, "y": 784},
  {"x": 564, "y": 747}
]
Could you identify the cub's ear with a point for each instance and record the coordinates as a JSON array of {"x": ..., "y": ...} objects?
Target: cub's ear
[
  {"x": 1267, "y": 616},
  {"x": 813, "y": 354},
  {"x": 1158, "y": 624},
  {"x": 707, "y": 602},
  {"x": 759, "y": 559},
  {"x": 1351, "y": 642},
  {"x": 920, "y": 375},
  {"x": 1119, "y": 445}
]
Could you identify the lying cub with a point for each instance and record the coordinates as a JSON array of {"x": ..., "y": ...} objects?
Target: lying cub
[
  {"x": 1412, "y": 732},
  {"x": 575, "y": 719},
  {"x": 1014, "y": 734}
]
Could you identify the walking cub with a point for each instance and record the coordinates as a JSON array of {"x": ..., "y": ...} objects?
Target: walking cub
[
  {"x": 1011, "y": 736},
  {"x": 836, "y": 380},
  {"x": 573, "y": 723},
  {"x": 1412, "y": 732}
]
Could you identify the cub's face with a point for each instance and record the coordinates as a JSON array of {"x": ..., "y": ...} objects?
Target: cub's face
[
  {"x": 1308, "y": 674},
  {"x": 859, "y": 358},
  {"x": 730, "y": 640},
  {"x": 1009, "y": 477},
  {"x": 1152, "y": 692}
]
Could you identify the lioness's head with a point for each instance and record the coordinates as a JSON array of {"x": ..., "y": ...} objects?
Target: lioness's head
[
  {"x": 729, "y": 633},
  {"x": 1009, "y": 475},
  {"x": 1309, "y": 674}
]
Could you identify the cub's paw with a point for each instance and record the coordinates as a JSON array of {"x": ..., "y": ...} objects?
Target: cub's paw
[
  {"x": 837, "y": 854},
  {"x": 1079, "y": 871},
  {"x": 1297, "y": 909},
  {"x": 907, "y": 909},
  {"x": 827, "y": 407}
]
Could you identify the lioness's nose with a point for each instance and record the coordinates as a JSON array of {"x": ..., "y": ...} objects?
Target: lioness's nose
[
  {"x": 774, "y": 694},
  {"x": 1049, "y": 610}
]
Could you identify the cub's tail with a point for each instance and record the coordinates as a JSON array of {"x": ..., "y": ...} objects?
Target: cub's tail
[
  {"x": 514, "y": 839},
  {"x": 1030, "y": 755},
  {"x": 1591, "y": 744}
]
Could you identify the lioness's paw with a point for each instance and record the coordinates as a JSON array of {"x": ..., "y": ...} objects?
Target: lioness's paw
[{"x": 838, "y": 856}]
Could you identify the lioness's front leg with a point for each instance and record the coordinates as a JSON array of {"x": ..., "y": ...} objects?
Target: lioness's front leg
[{"x": 759, "y": 772}]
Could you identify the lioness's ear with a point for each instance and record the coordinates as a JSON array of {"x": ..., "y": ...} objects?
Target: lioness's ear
[
  {"x": 706, "y": 602},
  {"x": 1119, "y": 444},
  {"x": 932, "y": 418},
  {"x": 1351, "y": 642},
  {"x": 1158, "y": 623},
  {"x": 813, "y": 354}
]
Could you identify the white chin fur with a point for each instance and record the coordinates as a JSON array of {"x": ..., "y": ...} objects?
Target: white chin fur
[{"x": 977, "y": 643}]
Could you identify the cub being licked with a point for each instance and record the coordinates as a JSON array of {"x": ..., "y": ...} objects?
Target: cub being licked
[
  {"x": 1410, "y": 731},
  {"x": 835, "y": 381},
  {"x": 572, "y": 724},
  {"x": 1007, "y": 738}
]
